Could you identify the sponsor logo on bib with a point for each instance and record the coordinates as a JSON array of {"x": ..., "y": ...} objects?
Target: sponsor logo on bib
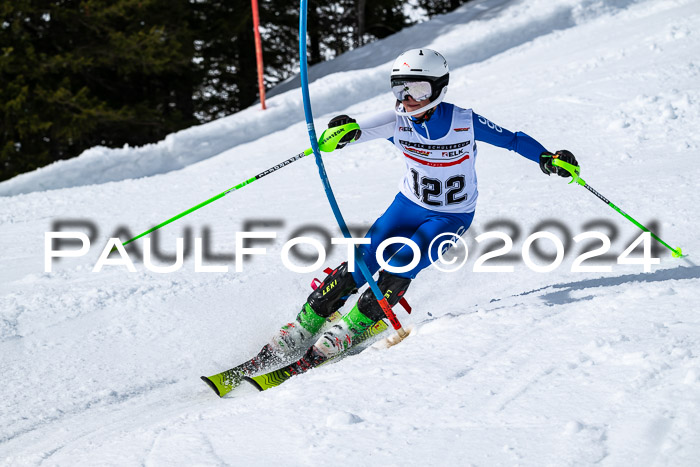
[
  {"x": 417, "y": 151},
  {"x": 435, "y": 147}
]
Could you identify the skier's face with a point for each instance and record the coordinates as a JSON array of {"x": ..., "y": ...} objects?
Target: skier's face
[{"x": 410, "y": 104}]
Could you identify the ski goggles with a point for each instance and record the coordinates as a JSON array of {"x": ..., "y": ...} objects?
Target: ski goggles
[{"x": 418, "y": 90}]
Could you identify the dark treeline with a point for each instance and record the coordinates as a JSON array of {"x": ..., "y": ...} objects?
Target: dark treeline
[{"x": 81, "y": 73}]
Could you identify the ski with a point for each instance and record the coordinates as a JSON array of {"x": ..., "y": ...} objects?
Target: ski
[
  {"x": 275, "y": 378},
  {"x": 226, "y": 381}
]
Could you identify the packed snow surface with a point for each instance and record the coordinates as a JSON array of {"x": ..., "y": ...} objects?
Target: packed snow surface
[{"x": 502, "y": 368}]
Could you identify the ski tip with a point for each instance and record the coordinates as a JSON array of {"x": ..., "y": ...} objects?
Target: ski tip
[
  {"x": 678, "y": 253},
  {"x": 254, "y": 383},
  {"x": 211, "y": 384}
]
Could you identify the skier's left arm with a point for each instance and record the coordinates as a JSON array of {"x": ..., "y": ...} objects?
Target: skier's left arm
[{"x": 523, "y": 144}]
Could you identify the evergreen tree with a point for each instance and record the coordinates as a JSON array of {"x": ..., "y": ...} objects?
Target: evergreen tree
[
  {"x": 81, "y": 73},
  {"x": 439, "y": 7},
  {"x": 343, "y": 25},
  {"x": 77, "y": 74}
]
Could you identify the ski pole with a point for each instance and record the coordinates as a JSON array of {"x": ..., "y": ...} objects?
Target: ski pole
[
  {"x": 575, "y": 170},
  {"x": 326, "y": 143}
]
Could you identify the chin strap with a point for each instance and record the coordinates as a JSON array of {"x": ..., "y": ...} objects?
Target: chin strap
[{"x": 426, "y": 116}]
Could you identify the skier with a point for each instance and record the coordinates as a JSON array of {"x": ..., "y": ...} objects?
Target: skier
[{"x": 438, "y": 195}]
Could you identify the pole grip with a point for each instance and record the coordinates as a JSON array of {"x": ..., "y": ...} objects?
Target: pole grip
[{"x": 574, "y": 170}]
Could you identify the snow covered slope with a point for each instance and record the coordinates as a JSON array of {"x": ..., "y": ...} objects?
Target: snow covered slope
[{"x": 556, "y": 368}]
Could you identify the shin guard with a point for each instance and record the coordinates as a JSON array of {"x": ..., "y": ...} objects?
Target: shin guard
[
  {"x": 393, "y": 287},
  {"x": 333, "y": 291}
]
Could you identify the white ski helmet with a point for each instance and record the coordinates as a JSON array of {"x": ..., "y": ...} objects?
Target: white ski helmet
[{"x": 421, "y": 65}]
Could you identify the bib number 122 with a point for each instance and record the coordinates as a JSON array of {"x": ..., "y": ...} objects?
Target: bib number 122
[{"x": 430, "y": 190}]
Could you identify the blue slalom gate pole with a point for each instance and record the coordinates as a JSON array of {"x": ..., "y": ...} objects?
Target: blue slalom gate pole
[{"x": 324, "y": 177}]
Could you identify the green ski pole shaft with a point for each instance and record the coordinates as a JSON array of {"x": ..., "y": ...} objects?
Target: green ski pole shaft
[
  {"x": 327, "y": 143},
  {"x": 222, "y": 194},
  {"x": 575, "y": 170},
  {"x": 631, "y": 219}
]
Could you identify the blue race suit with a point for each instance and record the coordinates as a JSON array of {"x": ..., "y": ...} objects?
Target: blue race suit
[{"x": 439, "y": 190}]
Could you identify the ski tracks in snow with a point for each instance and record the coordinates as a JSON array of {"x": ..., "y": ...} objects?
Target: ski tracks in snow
[{"x": 545, "y": 371}]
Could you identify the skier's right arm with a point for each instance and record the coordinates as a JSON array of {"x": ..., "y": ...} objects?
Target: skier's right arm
[{"x": 375, "y": 126}]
